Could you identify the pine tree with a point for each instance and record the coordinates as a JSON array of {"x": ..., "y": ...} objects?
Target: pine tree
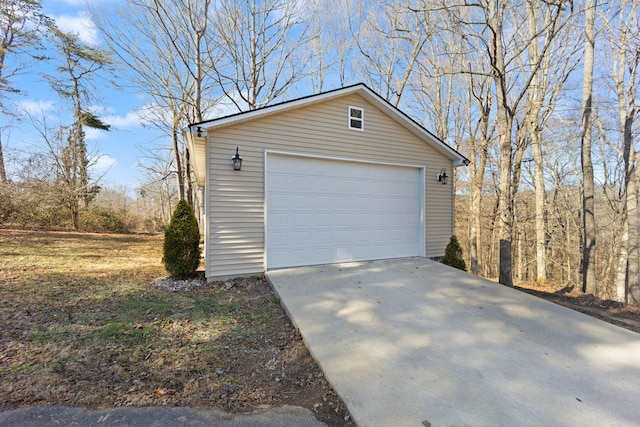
[
  {"x": 182, "y": 243},
  {"x": 453, "y": 255}
]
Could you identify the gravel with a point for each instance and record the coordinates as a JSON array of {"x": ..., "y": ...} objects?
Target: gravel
[{"x": 172, "y": 285}]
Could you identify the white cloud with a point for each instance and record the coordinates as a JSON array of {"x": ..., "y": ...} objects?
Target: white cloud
[
  {"x": 151, "y": 112},
  {"x": 80, "y": 25},
  {"x": 36, "y": 107},
  {"x": 131, "y": 119},
  {"x": 80, "y": 3},
  {"x": 228, "y": 105},
  {"x": 74, "y": 2},
  {"x": 102, "y": 164},
  {"x": 92, "y": 134}
]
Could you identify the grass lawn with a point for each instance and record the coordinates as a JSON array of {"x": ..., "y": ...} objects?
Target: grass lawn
[{"x": 83, "y": 325}]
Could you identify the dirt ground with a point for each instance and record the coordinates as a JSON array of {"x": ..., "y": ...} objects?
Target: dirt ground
[{"x": 617, "y": 313}]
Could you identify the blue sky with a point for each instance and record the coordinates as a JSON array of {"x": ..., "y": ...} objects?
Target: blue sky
[{"x": 119, "y": 148}]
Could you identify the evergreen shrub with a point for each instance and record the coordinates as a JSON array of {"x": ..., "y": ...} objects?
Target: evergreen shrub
[
  {"x": 453, "y": 255},
  {"x": 182, "y": 243}
]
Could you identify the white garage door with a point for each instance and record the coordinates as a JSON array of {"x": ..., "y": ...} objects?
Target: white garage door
[{"x": 322, "y": 211}]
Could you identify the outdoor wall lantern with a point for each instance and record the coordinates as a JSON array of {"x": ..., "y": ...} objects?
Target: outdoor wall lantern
[
  {"x": 236, "y": 161},
  {"x": 199, "y": 130},
  {"x": 443, "y": 177}
]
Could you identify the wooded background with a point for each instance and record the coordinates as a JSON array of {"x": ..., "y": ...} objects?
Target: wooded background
[{"x": 541, "y": 96}]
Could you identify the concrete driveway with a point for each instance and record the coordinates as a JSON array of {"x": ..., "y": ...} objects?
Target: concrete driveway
[{"x": 411, "y": 342}]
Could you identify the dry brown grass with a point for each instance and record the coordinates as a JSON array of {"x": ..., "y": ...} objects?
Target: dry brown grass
[{"x": 82, "y": 325}]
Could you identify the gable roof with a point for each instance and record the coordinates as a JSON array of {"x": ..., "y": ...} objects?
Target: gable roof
[{"x": 361, "y": 89}]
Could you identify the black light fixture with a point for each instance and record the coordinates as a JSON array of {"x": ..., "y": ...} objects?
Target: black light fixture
[
  {"x": 199, "y": 131},
  {"x": 443, "y": 177},
  {"x": 236, "y": 161}
]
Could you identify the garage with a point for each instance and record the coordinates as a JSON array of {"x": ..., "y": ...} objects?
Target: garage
[
  {"x": 338, "y": 176},
  {"x": 326, "y": 210}
]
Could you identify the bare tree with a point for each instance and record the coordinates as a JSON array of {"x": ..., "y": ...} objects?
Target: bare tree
[
  {"x": 80, "y": 64},
  {"x": 61, "y": 169},
  {"x": 589, "y": 283},
  {"x": 260, "y": 53},
  {"x": 159, "y": 194},
  {"x": 479, "y": 139},
  {"x": 504, "y": 48},
  {"x": 331, "y": 43},
  {"x": 622, "y": 29},
  {"x": 542, "y": 95},
  {"x": 21, "y": 22},
  {"x": 390, "y": 42},
  {"x": 165, "y": 46}
]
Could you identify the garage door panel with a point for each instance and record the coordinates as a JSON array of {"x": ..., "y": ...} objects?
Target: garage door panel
[
  {"x": 341, "y": 203},
  {"x": 278, "y": 182},
  {"x": 378, "y": 219},
  {"x": 361, "y": 218},
  {"x": 277, "y": 163},
  {"x": 361, "y": 236},
  {"x": 279, "y": 240},
  {"x": 341, "y": 237},
  {"x": 279, "y": 200},
  {"x": 324, "y": 211},
  {"x": 299, "y": 183},
  {"x": 341, "y": 186},
  {"x": 277, "y": 221},
  {"x": 320, "y": 202},
  {"x": 322, "y": 184},
  {"x": 360, "y": 203},
  {"x": 302, "y": 219},
  {"x": 299, "y": 201},
  {"x": 322, "y": 220},
  {"x": 322, "y": 237},
  {"x": 298, "y": 165},
  {"x": 342, "y": 219},
  {"x": 340, "y": 169},
  {"x": 361, "y": 186}
]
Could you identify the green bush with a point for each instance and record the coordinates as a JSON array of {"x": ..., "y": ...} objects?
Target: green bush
[
  {"x": 453, "y": 255},
  {"x": 182, "y": 243}
]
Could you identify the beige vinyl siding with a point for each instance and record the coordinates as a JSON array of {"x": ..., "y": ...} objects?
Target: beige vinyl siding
[{"x": 236, "y": 199}]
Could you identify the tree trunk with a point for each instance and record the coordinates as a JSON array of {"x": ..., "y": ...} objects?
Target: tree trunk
[
  {"x": 633, "y": 269},
  {"x": 187, "y": 166},
  {"x": 477, "y": 181},
  {"x": 534, "y": 105},
  {"x": 632, "y": 294},
  {"x": 177, "y": 157},
  {"x": 505, "y": 126},
  {"x": 588, "y": 268},
  {"x": 3, "y": 172},
  {"x": 541, "y": 231},
  {"x": 474, "y": 229},
  {"x": 623, "y": 259},
  {"x": 505, "y": 205}
]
